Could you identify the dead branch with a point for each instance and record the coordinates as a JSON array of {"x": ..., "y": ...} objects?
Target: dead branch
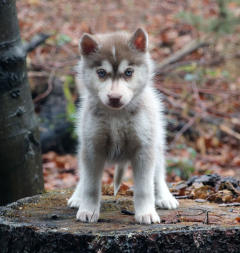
[
  {"x": 183, "y": 130},
  {"x": 49, "y": 89},
  {"x": 176, "y": 65},
  {"x": 188, "y": 49},
  {"x": 203, "y": 117},
  {"x": 182, "y": 197},
  {"x": 206, "y": 219},
  {"x": 229, "y": 131},
  {"x": 230, "y": 204},
  {"x": 37, "y": 40}
]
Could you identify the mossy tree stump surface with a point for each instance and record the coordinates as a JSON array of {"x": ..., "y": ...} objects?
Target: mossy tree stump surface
[{"x": 44, "y": 223}]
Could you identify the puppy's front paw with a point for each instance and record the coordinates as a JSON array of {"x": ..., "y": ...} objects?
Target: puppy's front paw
[
  {"x": 148, "y": 218},
  {"x": 168, "y": 202},
  {"x": 74, "y": 202},
  {"x": 87, "y": 215}
]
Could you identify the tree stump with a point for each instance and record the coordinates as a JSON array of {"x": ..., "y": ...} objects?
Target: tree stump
[{"x": 44, "y": 223}]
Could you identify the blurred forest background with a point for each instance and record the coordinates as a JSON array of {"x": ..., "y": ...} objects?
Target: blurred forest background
[{"x": 200, "y": 80}]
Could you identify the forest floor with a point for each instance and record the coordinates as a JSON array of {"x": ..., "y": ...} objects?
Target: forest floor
[{"x": 201, "y": 90}]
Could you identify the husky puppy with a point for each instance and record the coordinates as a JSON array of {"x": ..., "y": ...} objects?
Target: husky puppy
[{"x": 120, "y": 122}]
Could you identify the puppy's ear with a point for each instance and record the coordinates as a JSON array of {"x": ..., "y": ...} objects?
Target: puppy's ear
[
  {"x": 139, "y": 40},
  {"x": 87, "y": 44}
]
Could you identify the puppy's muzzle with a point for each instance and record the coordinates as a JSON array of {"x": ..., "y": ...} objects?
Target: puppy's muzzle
[{"x": 114, "y": 100}]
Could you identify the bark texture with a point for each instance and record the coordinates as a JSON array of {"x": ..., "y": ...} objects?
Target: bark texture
[
  {"x": 20, "y": 153},
  {"x": 44, "y": 223}
]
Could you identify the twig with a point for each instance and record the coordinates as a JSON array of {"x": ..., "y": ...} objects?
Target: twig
[
  {"x": 35, "y": 42},
  {"x": 188, "y": 49},
  {"x": 206, "y": 219},
  {"x": 235, "y": 121},
  {"x": 231, "y": 188},
  {"x": 182, "y": 197},
  {"x": 201, "y": 211},
  {"x": 168, "y": 92},
  {"x": 49, "y": 89},
  {"x": 127, "y": 212},
  {"x": 229, "y": 131},
  {"x": 184, "y": 129},
  {"x": 230, "y": 204},
  {"x": 38, "y": 74},
  {"x": 214, "y": 91},
  {"x": 206, "y": 116},
  {"x": 174, "y": 66}
]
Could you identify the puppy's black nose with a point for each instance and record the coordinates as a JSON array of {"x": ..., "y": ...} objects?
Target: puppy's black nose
[{"x": 115, "y": 100}]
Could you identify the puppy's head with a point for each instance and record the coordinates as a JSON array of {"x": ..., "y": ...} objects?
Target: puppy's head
[{"x": 115, "y": 67}]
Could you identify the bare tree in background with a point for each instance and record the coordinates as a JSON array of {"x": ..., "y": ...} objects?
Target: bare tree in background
[{"x": 20, "y": 153}]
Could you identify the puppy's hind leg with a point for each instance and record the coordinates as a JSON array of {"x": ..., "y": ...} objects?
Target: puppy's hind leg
[
  {"x": 163, "y": 197},
  {"x": 118, "y": 175},
  {"x": 88, "y": 191}
]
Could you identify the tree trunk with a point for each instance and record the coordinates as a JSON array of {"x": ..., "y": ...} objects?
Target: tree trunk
[{"x": 20, "y": 153}]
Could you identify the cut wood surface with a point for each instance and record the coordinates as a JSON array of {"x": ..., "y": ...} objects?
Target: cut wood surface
[{"x": 44, "y": 223}]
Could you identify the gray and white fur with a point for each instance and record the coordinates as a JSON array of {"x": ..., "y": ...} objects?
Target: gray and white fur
[{"x": 120, "y": 122}]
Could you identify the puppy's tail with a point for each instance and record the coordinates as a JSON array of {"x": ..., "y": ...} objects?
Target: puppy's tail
[{"x": 118, "y": 176}]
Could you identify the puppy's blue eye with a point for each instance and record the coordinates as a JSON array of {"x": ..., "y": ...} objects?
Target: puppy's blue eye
[
  {"x": 101, "y": 73},
  {"x": 128, "y": 72}
]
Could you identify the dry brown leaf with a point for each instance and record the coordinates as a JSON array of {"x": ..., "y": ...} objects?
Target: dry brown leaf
[
  {"x": 237, "y": 219},
  {"x": 202, "y": 192}
]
